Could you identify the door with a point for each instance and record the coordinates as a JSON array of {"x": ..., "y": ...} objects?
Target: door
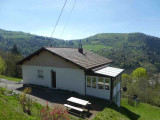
[{"x": 53, "y": 79}]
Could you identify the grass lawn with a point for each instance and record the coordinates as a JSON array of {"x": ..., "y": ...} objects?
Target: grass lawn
[
  {"x": 10, "y": 78},
  {"x": 126, "y": 112}
]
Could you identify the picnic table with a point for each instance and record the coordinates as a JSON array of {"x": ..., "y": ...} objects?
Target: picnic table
[
  {"x": 78, "y": 101},
  {"x": 83, "y": 103}
]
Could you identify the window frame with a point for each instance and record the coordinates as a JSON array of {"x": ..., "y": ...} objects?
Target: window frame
[
  {"x": 96, "y": 79},
  {"x": 90, "y": 82},
  {"x": 40, "y": 74}
]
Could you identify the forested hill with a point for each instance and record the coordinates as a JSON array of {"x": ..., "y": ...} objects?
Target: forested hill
[
  {"x": 128, "y": 50},
  {"x": 25, "y": 42}
]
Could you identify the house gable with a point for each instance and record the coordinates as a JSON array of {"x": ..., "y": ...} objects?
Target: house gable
[{"x": 46, "y": 58}]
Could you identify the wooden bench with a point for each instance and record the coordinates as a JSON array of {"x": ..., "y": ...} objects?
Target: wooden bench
[{"x": 73, "y": 107}]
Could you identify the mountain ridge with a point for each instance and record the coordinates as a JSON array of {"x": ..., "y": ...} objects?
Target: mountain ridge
[{"x": 127, "y": 50}]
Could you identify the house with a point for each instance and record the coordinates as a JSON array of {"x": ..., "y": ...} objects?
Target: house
[{"x": 73, "y": 69}]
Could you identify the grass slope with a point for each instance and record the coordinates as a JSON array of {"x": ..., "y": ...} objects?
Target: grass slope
[
  {"x": 126, "y": 112},
  {"x": 10, "y": 109},
  {"x": 10, "y": 78}
]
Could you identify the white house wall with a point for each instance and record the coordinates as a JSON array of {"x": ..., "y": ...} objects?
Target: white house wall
[
  {"x": 117, "y": 94},
  {"x": 66, "y": 78},
  {"x": 105, "y": 94}
]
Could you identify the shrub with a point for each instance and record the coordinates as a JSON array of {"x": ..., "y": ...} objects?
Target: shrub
[
  {"x": 3, "y": 90},
  {"x": 25, "y": 101},
  {"x": 56, "y": 113}
]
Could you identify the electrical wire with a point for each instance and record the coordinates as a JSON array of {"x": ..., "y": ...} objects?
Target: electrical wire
[
  {"x": 58, "y": 18},
  {"x": 68, "y": 19}
]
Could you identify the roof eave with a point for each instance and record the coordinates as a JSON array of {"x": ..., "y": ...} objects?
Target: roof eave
[
  {"x": 99, "y": 66},
  {"x": 30, "y": 56},
  {"x": 42, "y": 49}
]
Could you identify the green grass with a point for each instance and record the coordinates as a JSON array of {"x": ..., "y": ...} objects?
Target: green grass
[
  {"x": 126, "y": 112},
  {"x": 10, "y": 109},
  {"x": 94, "y": 47},
  {"x": 10, "y": 78}
]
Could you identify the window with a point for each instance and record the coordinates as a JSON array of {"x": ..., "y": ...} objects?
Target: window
[
  {"x": 94, "y": 82},
  {"x": 40, "y": 73},
  {"x": 107, "y": 83},
  {"x": 100, "y": 83},
  {"x": 88, "y": 81}
]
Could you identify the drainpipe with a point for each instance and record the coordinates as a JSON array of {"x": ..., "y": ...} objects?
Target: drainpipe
[{"x": 85, "y": 82}]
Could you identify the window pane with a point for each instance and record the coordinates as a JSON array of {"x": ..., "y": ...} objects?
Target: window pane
[
  {"x": 107, "y": 80},
  {"x": 93, "y": 82},
  {"x": 40, "y": 73},
  {"x": 100, "y": 83},
  {"x": 88, "y": 81}
]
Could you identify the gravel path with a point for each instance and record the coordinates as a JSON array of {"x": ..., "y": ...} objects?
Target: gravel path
[{"x": 18, "y": 86}]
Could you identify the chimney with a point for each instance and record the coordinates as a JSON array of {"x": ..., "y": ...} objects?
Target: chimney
[{"x": 80, "y": 49}]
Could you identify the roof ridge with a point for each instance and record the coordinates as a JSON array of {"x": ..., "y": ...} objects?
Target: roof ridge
[{"x": 59, "y": 47}]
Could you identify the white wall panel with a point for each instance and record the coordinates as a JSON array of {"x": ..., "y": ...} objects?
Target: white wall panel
[
  {"x": 105, "y": 94},
  {"x": 66, "y": 78}
]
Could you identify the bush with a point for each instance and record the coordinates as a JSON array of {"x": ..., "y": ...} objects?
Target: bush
[
  {"x": 56, "y": 113},
  {"x": 25, "y": 101},
  {"x": 3, "y": 90}
]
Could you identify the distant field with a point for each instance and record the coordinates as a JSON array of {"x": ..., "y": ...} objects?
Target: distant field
[
  {"x": 127, "y": 112},
  {"x": 94, "y": 47},
  {"x": 10, "y": 78}
]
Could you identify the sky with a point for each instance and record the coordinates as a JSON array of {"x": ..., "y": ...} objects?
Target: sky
[{"x": 89, "y": 17}]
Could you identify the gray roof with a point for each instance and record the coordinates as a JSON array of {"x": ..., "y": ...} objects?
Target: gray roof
[
  {"x": 87, "y": 60},
  {"x": 110, "y": 71}
]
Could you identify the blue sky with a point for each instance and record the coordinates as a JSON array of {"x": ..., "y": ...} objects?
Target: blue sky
[{"x": 89, "y": 17}]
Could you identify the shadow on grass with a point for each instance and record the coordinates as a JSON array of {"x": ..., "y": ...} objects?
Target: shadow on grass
[{"x": 124, "y": 111}]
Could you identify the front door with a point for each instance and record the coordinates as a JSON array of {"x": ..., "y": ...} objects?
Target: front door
[{"x": 53, "y": 79}]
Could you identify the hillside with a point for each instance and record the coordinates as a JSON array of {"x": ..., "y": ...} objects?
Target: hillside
[
  {"x": 128, "y": 50},
  {"x": 26, "y": 42}
]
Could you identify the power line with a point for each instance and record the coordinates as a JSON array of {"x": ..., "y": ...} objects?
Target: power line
[
  {"x": 59, "y": 18},
  {"x": 68, "y": 19}
]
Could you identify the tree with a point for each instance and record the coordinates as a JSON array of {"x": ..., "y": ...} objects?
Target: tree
[
  {"x": 2, "y": 65},
  {"x": 14, "y": 50},
  {"x": 139, "y": 73},
  {"x": 11, "y": 58},
  {"x": 126, "y": 79}
]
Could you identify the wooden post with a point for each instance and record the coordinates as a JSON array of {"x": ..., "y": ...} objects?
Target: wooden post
[{"x": 111, "y": 89}]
